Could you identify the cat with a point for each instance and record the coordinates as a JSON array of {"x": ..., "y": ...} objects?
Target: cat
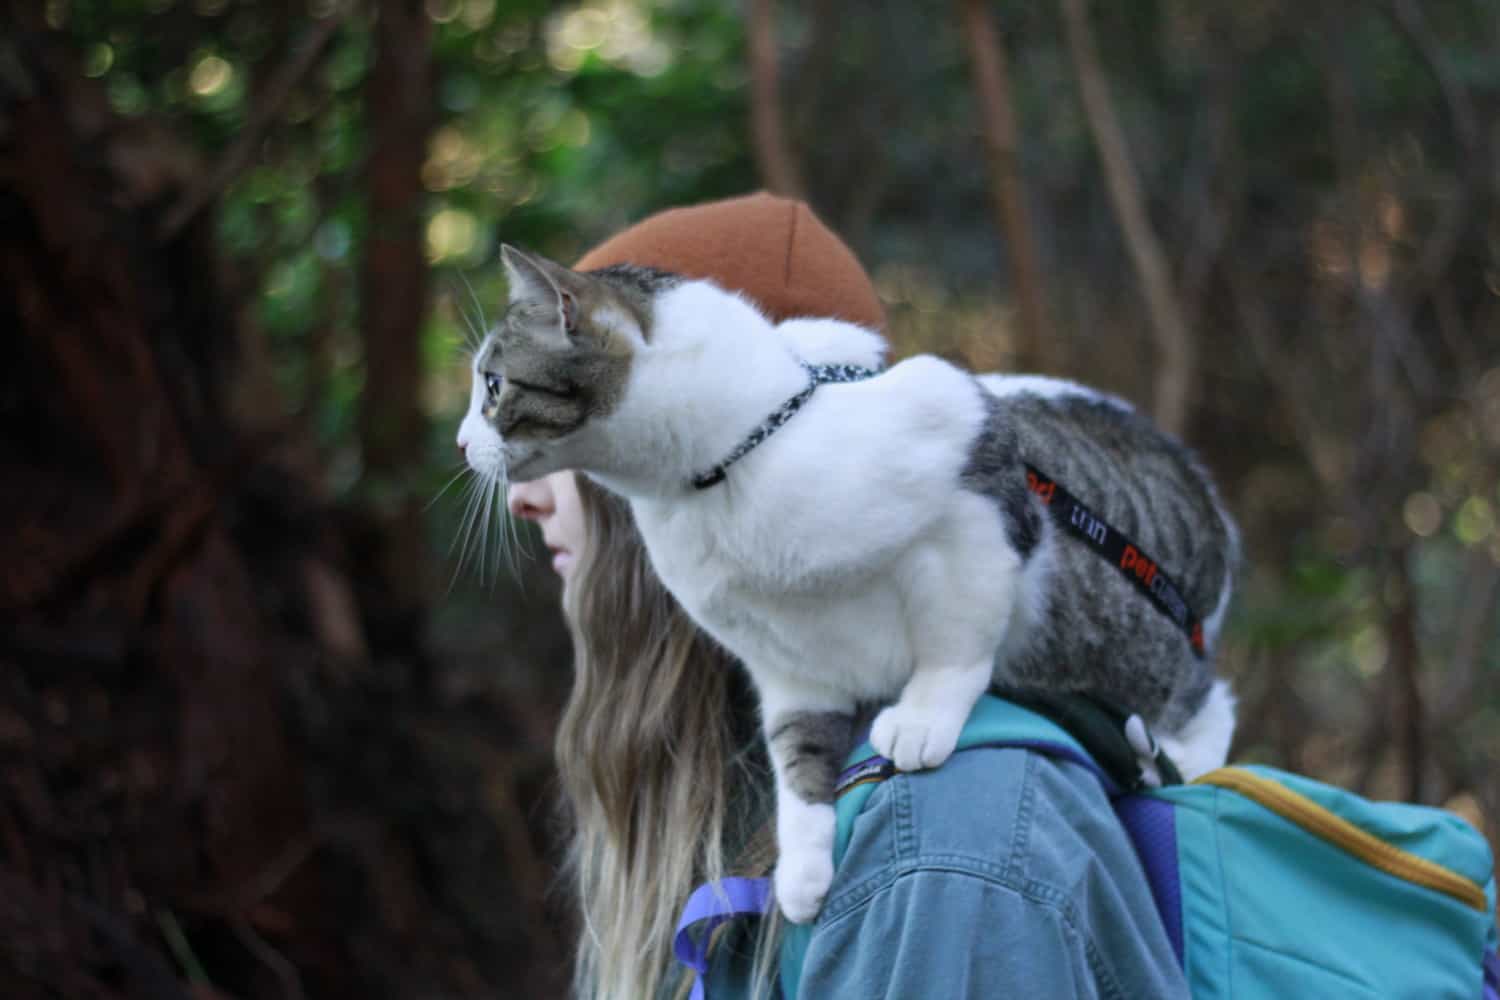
[{"x": 879, "y": 541}]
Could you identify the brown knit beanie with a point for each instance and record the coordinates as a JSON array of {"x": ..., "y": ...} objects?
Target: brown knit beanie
[{"x": 771, "y": 249}]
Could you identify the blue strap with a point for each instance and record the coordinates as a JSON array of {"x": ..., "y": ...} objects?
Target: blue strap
[
  {"x": 994, "y": 723},
  {"x": 709, "y": 906},
  {"x": 1491, "y": 975},
  {"x": 875, "y": 768}
]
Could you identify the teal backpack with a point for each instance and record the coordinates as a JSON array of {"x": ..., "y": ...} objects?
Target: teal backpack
[{"x": 1269, "y": 885}]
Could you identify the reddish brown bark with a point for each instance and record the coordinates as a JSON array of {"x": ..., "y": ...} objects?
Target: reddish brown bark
[
  {"x": 773, "y": 154},
  {"x": 399, "y": 103},
  {"x": 1176, "y": 350},
  {"x": 997, "y": 119}
]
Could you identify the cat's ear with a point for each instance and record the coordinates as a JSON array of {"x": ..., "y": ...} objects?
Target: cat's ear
[{"x": 537, "y": 280}]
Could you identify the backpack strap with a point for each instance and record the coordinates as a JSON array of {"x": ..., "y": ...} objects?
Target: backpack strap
[
  {"x": 1116, "y": 738},
  {"x": 1049, "y": 725},
  {"x": 707, "y": 908}
]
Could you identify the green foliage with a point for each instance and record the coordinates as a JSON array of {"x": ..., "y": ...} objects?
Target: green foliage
[{"x": 555, "y": 124}]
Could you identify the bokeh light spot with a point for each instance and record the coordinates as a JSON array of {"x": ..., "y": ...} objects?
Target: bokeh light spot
[
  {"x": 1475, "y": 521},
  {"x": 1368, "y": 649},
  {"x": 451, "y": 233},
  {"x": 99, "y": 59},
  {"x": 443, "y": 11},
  {"x": 617, "y": 31},
  {"x": 1423, "y": 514},
  {"x": 210, "y": 75}
]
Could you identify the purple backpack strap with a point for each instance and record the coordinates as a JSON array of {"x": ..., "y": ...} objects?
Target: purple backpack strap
[
  {"x": 1152, "y": 826},
  {"x": 709, "y": 906},
  {"x": 1491, "y": 976}
]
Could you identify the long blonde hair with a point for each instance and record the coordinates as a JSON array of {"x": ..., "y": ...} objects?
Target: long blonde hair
[{"x": 661, "y": 770}]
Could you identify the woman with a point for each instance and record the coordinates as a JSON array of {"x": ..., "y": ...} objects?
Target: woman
[{"x": 1002, "y": 872}]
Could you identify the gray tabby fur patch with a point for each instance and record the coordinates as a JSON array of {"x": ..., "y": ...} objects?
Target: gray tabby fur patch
[
  {"x": 812, "y": 747},
  {"x": 1099, "y": 633}
]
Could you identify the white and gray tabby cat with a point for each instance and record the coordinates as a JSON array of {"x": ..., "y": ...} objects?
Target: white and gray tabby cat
[{"x": 871, "y": 542}]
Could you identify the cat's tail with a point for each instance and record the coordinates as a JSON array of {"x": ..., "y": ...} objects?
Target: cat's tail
[{"x": 1203, "y": 744}]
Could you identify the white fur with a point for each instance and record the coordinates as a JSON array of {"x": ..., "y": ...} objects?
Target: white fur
[
  {"x": 481, "y": 445},
  {"x": 1046, "y": 387},
  {"x": 833, "y": 342},
  {"x": 837, "y": 560},
  {"x": 1214, "y": 623},
  {"x": 617, "y": 323},
  {"x": 1203, "y": 744},
  {"x": 804, "y": 830}
]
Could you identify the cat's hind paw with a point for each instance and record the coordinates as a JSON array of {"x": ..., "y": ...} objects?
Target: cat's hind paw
[
  {"x": 802, "y": 880},
  {"x": 915, "y": 738}
]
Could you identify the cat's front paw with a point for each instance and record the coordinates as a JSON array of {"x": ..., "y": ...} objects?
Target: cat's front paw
[
  {"x": 802, "y": 880},
  {"x": 915, "y": 738}
]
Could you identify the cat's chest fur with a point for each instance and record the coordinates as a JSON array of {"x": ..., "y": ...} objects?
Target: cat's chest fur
[
  {"x": 803, "y": 560},
  {"x": 778, "y": 618}
]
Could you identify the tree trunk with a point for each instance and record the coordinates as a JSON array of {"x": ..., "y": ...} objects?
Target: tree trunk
[
  {"x": 399, "y": 108},
  {"x": 154, "y": 779},
  {"x": 997, "y": 120},
  {"x": 778, "y": 168},
  {"x": 1176, "y": 354}
]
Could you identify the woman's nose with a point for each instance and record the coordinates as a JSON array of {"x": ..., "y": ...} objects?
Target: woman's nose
[{"x": 532, "y": 501}]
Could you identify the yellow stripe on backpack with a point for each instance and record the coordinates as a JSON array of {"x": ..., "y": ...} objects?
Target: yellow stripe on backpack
[{"x": 1341, "y": 833}]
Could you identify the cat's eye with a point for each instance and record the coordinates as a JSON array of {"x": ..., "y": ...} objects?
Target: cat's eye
[{"x": 492, "y": 385}]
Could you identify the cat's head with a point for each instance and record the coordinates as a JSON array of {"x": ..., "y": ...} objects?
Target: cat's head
[{"x": 556, "y": 364}]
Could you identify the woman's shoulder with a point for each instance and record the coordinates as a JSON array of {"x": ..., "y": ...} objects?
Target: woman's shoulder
[
  {"x": 1003, "y": 814},
  {"x": 997, "y": 845}
]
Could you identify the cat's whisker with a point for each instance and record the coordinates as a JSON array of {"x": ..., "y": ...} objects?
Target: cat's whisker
[
  {"x": 478, "y": 308},
  {"x": 471, "y": 491},
  {"x": 475, "y": 540},
  {"x": 468, "y": 495},
  {"x": 472, "y": 329},
  {"x": 497, "y": 516},
  {"x": 477, "y": 534},
  {"x": 486, "y": 501},
  {"x": 444, "y": 489},
  {"x": 515, "y": 547},
  {"x": 472, "y": 337}
]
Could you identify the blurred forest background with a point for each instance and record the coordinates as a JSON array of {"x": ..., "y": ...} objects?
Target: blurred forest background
[{"x": 261, "y": 736}]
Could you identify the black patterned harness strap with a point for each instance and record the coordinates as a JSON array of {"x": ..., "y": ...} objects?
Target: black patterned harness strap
[
  {"x": 816, "y": 375},
  {"x": 1067, "y": 510},
  {"x": 1136, "y": 566}
]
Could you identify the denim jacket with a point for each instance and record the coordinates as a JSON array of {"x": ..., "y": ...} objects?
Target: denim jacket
[{"x": 1002, "y": 873}]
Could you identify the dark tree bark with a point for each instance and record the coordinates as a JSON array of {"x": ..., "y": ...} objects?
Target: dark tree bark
[
  {"x": 195, "y": 800},
  {"x": 1406, "y": 662},
  {"x": 147, "y": 772},
  {"x": 399, "y": 106},
  {"x": 997, "y": 119},
  {"x": 1176, "y": 349}
]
